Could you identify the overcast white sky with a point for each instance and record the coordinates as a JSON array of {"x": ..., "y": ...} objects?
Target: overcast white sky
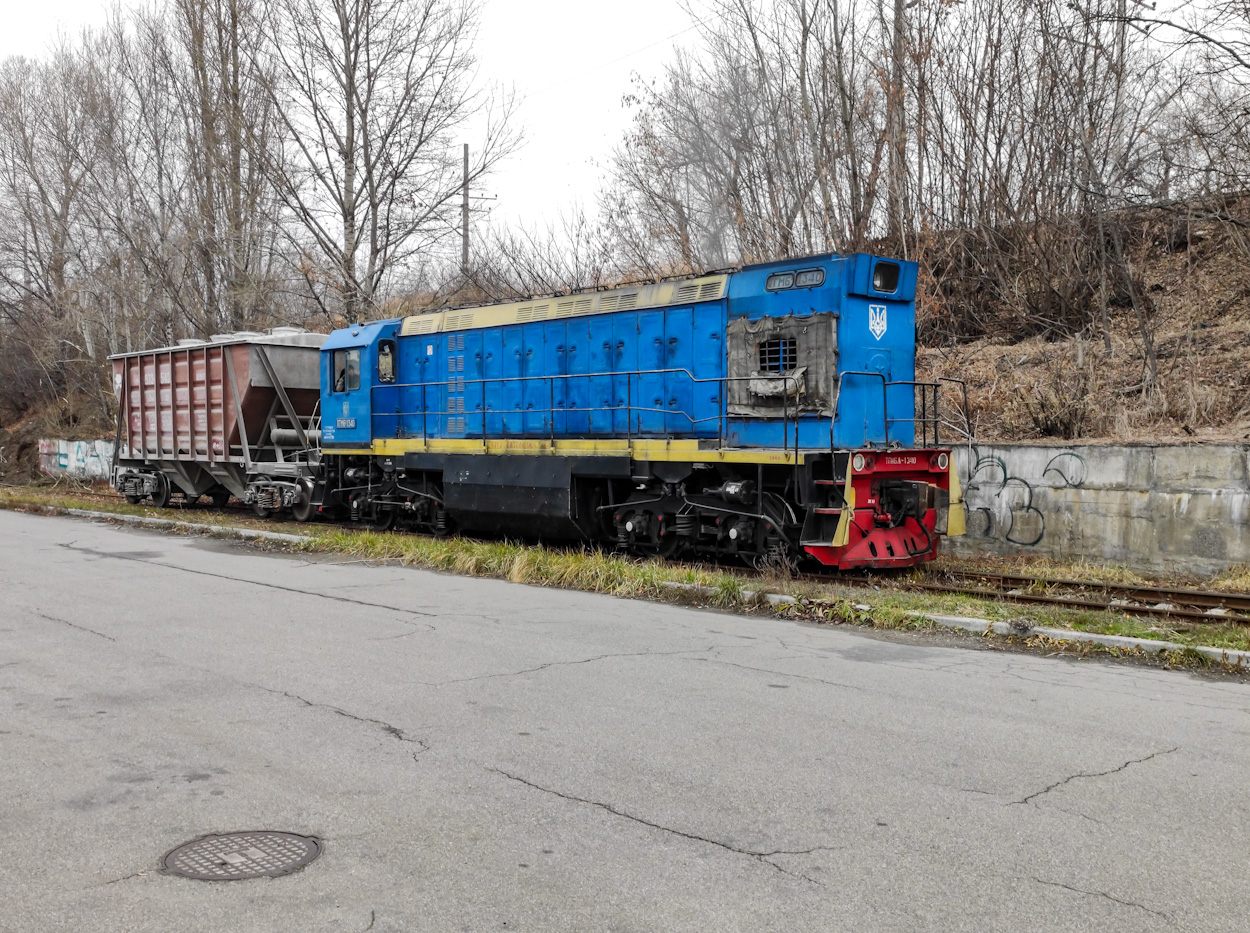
[{"x": 571, "y": 59}]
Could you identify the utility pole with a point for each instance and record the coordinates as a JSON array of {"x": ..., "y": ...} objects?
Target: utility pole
[
  {"x": 897, "y": 134},
  {"x": 464, "y": 217}
]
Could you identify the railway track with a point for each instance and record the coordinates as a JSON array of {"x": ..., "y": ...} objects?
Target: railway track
[{"x": 1175, "y": 603}]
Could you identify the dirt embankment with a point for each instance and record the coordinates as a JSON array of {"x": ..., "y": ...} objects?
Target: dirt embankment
[
  {"x": 1094, "y": 386},
  {"x": 19, "y": 438}
]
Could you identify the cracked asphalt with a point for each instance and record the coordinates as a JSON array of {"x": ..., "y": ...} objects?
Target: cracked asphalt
[{"x": 479, "y": 755}]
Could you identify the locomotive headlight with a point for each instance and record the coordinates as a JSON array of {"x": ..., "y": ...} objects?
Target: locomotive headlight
[
  {"x": 857, "y": 463},
  {"x": 943, "y": 461}
]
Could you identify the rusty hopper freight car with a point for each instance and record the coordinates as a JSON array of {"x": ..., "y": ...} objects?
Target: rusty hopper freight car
[{"x": 236, "y": 415}]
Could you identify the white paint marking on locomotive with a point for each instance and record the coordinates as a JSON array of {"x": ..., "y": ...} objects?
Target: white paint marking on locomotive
[{"x": 876, "y": 320}]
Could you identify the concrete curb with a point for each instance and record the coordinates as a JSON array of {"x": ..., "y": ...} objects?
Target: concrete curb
[
  {"x": 966, "y": 623},
  {"x": 227, "y": 530},
  {"x": 1149, "y": 645},
  {"x": 773, "y": 599},
  {"x": 986, "y": 627}
]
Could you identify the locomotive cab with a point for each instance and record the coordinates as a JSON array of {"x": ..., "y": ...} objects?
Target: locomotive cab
[{"x": 357, "y": 364}]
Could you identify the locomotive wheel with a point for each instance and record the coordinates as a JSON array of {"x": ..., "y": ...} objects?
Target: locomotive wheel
[
  {"x": 302, "y": 507},
  {"x": 382, "y": 520},
  {"x": 160, "y": 498},
  {"x": 668, "y": 543}
]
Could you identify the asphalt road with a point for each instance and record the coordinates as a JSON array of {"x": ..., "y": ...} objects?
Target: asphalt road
[{"x": 478, "y": 755}]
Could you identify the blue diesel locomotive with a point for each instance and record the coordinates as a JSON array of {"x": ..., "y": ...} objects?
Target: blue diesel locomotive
[{"x": 771, "y": 410}]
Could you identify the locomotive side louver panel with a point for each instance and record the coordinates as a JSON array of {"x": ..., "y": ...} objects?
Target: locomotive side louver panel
[
  {"x": 687, "y": 293},
  {"x": 457, "y": 321},
  {"x": 710, "y": 291}
]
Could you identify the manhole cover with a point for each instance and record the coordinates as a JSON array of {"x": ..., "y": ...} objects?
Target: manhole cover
[{"x": 235, "y": 856}]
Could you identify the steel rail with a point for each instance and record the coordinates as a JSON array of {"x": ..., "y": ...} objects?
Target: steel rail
[
  {"x": 1146, "y": 601},
  {"x": 1211, "y": 599}
]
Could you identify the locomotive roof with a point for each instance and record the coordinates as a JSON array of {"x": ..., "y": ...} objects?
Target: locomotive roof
[{"x": 651, "y": 295}]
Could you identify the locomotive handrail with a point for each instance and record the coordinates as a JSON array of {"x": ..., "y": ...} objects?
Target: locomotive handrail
[
  {"x": 885, "y": 411},
  {"x": 721, "y": 417},
  {"x": 923, "y": 420}
]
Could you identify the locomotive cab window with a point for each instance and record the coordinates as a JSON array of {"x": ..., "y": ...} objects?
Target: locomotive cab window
[
  {"x": 386, "y": 361},
  {"x": 779, "y": 280},
  {"x": 779, "y": 355},
  {"x": 885, "y": 277},
  {"x": 346, "y": 367}
]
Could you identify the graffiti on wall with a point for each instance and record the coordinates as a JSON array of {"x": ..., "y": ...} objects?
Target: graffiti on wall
[
  {"x": 79, "y": 459},
  {"x": 1000, "y": 501}
]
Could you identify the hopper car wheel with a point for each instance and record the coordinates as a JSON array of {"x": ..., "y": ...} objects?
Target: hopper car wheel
[
  {"x": 220, "y": 497},
  {"x": 160, "y": 498},
  {"x": 189, "y": 502},
  {"x": 134, "y": 500},
  {"x": 302, "y": 507},
  {"x": 261, "y": 511}
]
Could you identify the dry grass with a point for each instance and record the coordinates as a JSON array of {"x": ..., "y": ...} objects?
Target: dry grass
[{"x": 1236, "y": 580}]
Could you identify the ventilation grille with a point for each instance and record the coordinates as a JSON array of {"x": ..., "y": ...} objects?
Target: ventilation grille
[
  {"x": 687, "y": 293},
  {"x": 421, "y": 325},
  {"x": 456, "y": 321},
  {"x": 628, "y": 300},
  {"x": 570, "y": 306},
  {"x": 532, "y": 312},
  {"x": 710, "y": 290}
]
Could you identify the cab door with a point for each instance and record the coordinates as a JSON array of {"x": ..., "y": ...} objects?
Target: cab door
[{"x": 346, "y": 410}]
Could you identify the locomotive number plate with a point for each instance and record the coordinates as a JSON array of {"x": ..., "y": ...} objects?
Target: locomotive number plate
[{"x": 345, "y": 423}]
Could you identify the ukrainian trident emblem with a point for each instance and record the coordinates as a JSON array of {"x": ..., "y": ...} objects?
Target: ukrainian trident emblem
[{"x": 876, "y": 320}]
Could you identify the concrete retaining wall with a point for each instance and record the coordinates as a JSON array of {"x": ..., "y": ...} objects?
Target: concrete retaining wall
[
  {"x": 1171, "y": 509},
  {"x": 79, "y": 459}
]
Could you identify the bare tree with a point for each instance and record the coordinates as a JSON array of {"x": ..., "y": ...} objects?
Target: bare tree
[
  {"x": 371, "y": 95},
  {"x": 771, "y": 141}
]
